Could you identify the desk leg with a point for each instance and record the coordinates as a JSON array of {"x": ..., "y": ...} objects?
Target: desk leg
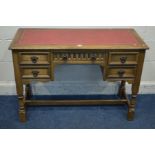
[
  {"x": 22, "y": 111},
  {"x": 21, "y": 100},
  {"x": 121, "y": 91},
  {"x": 135, "y": 86},
  {"x": 52, "y": 67},
  {"x": 132, "y": 104},
  {"x": 19, "y": 87},
  {"x": 28, "y": 90},
  {"x": 102, "y": 71},
  {"x": 52, "y": 71}
]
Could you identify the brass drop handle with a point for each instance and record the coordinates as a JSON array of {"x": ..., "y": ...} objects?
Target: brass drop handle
[
  {"x": 123, "y": 59},
  {"x": 121, "y": 73},
  {"x": 35, "y": 73},
  {"x": 34, "y": 59},
  {"x": 64, "y": 58},
  {"x": 93, "y": 57}
]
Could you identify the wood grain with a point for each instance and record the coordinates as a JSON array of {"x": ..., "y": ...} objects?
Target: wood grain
[{"x": 37, "y": 63}]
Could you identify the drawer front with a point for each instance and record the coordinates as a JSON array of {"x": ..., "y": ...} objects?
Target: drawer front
[
  {"x": 35, "y": 73},
  {"x": 34, "y": 58},
  {"x": 67, "y": 57},
  {"x": 121, "y": 72},
  {"x": 119, "y": 58}
]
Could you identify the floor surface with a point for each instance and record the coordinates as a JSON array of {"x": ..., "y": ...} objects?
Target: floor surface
[{"x": 78, "y": 117}]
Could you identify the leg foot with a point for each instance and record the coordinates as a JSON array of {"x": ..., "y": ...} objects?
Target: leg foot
[
  {"x": 131, "y": 108},
  {"x": 22, "y": 115},
  {"x": 131, "y": 114},
  {"x": 22, "y": 110}
]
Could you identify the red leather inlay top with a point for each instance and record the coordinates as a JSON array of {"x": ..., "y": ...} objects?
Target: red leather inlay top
[{"x": 77, "y": 37}]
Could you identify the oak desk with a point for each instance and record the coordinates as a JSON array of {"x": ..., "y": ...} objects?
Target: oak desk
[{"x": 119, "y": 52}]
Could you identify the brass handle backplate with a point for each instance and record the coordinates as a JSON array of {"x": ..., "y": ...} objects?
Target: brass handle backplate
[
  {"x": 123, "y": 59},
  {"x": 121, "y": 73},
  {"x": 35, "y": 73},
  {"x": 34, "y": 59}
]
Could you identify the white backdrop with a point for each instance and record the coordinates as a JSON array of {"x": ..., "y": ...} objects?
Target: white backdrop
[{"x": 77, "y": 12}]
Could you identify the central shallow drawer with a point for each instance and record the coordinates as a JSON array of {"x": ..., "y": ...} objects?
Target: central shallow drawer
[
  {"x": 34, "y": 58},
  {"x": 69, "y": 57},
  {"x": 35, "y": 72}
]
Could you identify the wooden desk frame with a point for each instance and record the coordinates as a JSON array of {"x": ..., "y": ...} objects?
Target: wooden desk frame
[{"x": 106, "y": 56}]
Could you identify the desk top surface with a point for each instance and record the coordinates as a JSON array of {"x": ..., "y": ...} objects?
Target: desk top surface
[{"x": 77, "y": 39}]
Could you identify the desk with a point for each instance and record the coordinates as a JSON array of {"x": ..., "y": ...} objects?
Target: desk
[{"x": 119, "y": 52}]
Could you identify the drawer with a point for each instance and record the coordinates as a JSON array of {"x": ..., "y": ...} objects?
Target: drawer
[
  {"x": 119, "y": 58},
  {"x": 34, "y": 58},
  {"x": 35, "y": 72},
  {"x": 121, "y": 72},
  {"x": 78, "y": 56}
]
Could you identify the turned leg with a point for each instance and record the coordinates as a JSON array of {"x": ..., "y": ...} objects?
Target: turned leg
[
  {"x": 22, "y": 105},
  {"x": 132, "y": 103},
  {"x": 22, "y": 110},
  {"x": 135, "y": 86},
  {"x": 19, "y": 87},
  {"x": 28, "y": 91},
  {"x": 52, "y": 67},
  {"x": 121, "y": 90},
  {"x": 102, "y": 72},
  {"x": 21, "y": 101},
  {"x": 131, "y": 108}
]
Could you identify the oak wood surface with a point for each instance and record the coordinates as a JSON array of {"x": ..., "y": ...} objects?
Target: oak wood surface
[
  {"x": 76, "y": 102},
  {"x": 122, "y": 58},
  {"x": 34, "y": 58},
  {"x": 37, "y": 63}
]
